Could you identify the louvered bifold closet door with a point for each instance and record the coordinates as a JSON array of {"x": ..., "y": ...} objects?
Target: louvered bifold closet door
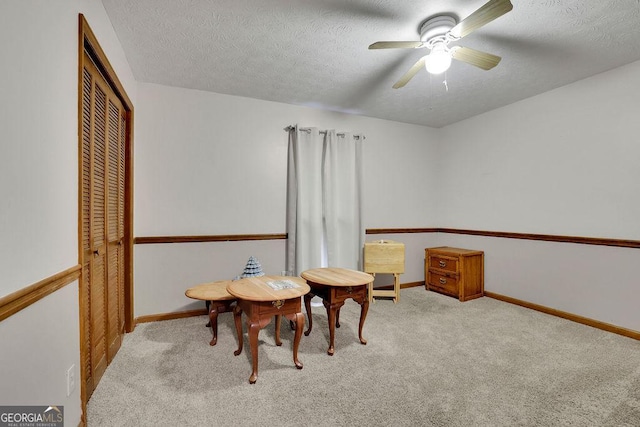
[
  {"x": 85, "y": 220},
  {"x": 97, "y": 292},
  {"x": 115, "y": 229},
  {"x": 121, "y": 222},
  {"x": 102, "y": 225}
]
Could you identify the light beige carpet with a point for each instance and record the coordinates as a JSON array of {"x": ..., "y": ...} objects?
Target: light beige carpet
[{"x": 430, "y": 361}]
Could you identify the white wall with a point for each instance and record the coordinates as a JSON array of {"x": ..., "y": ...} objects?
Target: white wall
[
  {"x": 38, "y": 82},
  {"x": 164, "y": 271},
  {"x": 208, "y": 163},
  {"x": 596, "y": 282},
  {"x": 39, "y": 188},
  {"x": 39, "y": 344},
  {"x": 565, "y": 162}
]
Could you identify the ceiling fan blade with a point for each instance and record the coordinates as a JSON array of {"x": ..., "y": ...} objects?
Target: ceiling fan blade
[
  {"x": 483, "y": 60},
  {"x": 491, "y": 10},
  {"x": 396, "y": 45},
  {"x": 409, "y": 74}
]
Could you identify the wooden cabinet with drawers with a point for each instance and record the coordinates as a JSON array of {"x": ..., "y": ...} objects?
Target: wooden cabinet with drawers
[{"x": 455, "y": 272}]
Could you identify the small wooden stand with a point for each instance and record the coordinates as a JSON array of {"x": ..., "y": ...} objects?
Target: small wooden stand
[{"x": 385, "y": 257}]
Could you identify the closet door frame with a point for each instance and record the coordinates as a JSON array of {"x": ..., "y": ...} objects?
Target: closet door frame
[{"x": 89, "y": 44}]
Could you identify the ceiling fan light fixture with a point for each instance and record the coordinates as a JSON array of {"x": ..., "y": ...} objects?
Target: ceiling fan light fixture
[
  {"x": 439, "y": 60},
  {"x": 438, "y": 31}
]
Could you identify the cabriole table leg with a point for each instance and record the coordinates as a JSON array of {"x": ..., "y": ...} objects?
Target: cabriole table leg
[
  {"x": 237, "y": 317},
  {"x": 364, "y": 308}
]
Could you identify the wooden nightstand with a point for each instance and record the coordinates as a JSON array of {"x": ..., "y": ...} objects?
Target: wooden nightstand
[{"x": 455, "y": 272}]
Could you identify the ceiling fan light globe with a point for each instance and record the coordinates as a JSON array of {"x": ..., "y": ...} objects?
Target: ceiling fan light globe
[{"x": 438, "y": 61}]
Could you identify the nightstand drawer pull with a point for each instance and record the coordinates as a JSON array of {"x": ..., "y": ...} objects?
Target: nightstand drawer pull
[
  {"x": 442, "y": 264},
  {"x": 443, "y": 281}
]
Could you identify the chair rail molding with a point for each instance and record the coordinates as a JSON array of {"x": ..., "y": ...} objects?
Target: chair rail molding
[{"x": 23, "y": 298}]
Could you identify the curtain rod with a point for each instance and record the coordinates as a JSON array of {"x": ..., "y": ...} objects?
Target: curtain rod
[{"x": 324, "y": 132}]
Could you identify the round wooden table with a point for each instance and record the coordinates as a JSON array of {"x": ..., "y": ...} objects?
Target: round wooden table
[
  {"x": 258, "y": 299},
  {"x": 218, "y": 301},
  {"x": 335, "y": 286}
]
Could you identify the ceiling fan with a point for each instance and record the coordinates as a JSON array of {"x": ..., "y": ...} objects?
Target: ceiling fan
[{"x": 437, "y": 32}]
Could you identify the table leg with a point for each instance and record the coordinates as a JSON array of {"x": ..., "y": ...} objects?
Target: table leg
[
  {"x": 298, "y": 321},
  {"x": 307, "y": 306},
  {"x": 254, "y": 328},
  {"x": 338, "y": 318},
  {"x": 331, "y": 315},
  {"x": 237, "y": 317},
  {"x": 208, "y": 304},
  {"x": 396, "y": 286},
  {"x": 370, "y": 289},
  {"x": 213, "y": 321},
  {"x": 277, "y": 331},
  {"x": 364, "y": 308}
]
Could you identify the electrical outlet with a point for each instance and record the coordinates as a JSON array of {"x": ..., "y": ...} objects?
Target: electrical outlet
[{"x": 71, "y": 379}]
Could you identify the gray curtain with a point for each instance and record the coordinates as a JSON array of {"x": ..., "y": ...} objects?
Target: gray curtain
[{"x": 324, "y": 200}]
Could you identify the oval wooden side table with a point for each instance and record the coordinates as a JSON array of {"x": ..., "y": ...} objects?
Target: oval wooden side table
[
  {"x": 262, "y": 297},
  {"x": 220, "y": 301},
  {"x": 335, "y": 286}
]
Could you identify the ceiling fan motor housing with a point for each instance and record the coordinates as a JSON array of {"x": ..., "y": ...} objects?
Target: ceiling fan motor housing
[{"x": 436, "y": 28}]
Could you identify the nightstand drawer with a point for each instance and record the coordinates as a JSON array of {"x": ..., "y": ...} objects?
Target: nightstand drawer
[
  {"x": 442, "y": 262},
  {"x": 447, "y": 284}
]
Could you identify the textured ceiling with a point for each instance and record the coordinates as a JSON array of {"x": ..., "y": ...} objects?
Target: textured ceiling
[{"x": 314, "y": 52}]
